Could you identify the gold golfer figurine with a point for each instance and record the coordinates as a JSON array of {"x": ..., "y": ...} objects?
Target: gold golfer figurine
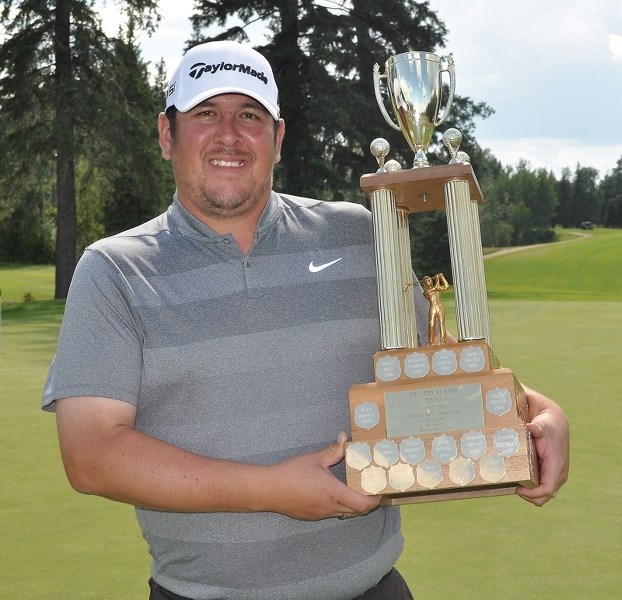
[{"x": 433, "y": 287}]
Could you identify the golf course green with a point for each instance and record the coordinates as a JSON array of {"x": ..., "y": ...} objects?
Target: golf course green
[{"x": 556, "y": 313}]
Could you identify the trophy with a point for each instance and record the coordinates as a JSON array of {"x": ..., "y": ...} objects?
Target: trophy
[
  {"x": 414, "y": 83},
  {"x": 442, "y": 420}
]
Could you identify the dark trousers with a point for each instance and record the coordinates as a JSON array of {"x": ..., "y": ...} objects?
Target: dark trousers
[{"x": 391, "y": 587}]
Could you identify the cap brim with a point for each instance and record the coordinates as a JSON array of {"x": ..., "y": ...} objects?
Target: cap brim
[{"x": 206, "y": 94}]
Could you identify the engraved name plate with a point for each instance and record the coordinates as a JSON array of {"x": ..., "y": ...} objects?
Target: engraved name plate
[
  {"x": 444, "y": 362},
  {"x": 373, "y": 479},
  {"x": 401, "y": 477},
  {"x": 429, "y": 473},
  {"x": 358, "y": 456},
  {"x": 386, "y": 453},
  {"x": 498, "y": 401},
  {"x": 367, "y": 415},
  {"x": 444, "y": 448},
  {"x": 412, "y": 450},
  {"x": 416, "y": 365},
  {"x": 506, "y": 442},
  {"x": 473, "y": 444},
  {"x": 492, "y": 468},
  {"x": 462, "y": 471},
  {"x": 388, "y": 368},
  {"x": 472, "y": 360},
  {"x": 434, "y": 410}
]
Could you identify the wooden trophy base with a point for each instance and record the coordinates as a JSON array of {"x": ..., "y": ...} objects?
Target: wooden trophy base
[{"x": 439, "y": 423}]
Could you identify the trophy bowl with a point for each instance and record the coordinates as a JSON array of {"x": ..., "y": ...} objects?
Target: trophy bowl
[{"x": 414, "y": 86}]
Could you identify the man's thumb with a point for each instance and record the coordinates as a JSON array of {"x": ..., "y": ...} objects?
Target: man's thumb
[{"x": 338, "y": 447}]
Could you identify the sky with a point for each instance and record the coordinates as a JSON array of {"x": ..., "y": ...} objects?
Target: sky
[{"x": 551, "y": 70}]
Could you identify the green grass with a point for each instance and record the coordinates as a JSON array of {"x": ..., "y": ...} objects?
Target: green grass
[
  {"x": 56, "y": 543},
  {"x": 570, "y": 548},
  {"x": 587, "y": 269},
  {"x": 34, "y": 281},
  {"x": 60, "y": 545}
]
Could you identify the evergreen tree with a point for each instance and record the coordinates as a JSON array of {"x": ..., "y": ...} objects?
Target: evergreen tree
[
  {"x": 128, "y": 154},
  {"x": 585, "y": 197},
  {"x": 610, "y": 190},
  {"x": 52, "y": 63},
  {"x": 429, "y": 240},
  {"x": 496, "y": 212},
  {"x": 563, "y": 214},
  {"x": 26, "y": 225},
  {"x": 519, "y": 207}
]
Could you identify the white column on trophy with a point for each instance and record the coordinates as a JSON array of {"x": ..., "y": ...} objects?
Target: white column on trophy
[
  {"x": 408, "y": 295},
  {"x": 394, "y": 272},
  {"x": 467, "y": 263}
]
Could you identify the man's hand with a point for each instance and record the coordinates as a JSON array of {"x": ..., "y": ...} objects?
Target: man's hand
[
  {"x": 549, "y": 428},
  {"x": 309, "y": 491}
]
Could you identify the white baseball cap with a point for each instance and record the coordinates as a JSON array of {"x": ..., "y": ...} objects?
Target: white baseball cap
[{"x": 222, "y": 68}]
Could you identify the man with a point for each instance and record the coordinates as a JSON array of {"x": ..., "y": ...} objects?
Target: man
[{"x": 205, "y": 357}]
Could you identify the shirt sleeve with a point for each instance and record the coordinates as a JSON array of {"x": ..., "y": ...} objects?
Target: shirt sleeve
[{"x": 99, "y": 350}]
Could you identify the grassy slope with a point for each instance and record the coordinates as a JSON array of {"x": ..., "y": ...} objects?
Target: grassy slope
[
  {"x": 60, "y": 545},
  {"x": 587, "y": 269}
]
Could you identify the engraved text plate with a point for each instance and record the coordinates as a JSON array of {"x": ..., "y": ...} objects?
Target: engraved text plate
[{"x": 434, "y": 410}]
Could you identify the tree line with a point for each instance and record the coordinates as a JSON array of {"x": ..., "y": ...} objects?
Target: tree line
[{"x": 79, "y": 154}]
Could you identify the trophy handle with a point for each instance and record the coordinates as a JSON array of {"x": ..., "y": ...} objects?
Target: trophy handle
[
  {"x": 452, "y": 88},
  {"x": 379, "y": 99}
]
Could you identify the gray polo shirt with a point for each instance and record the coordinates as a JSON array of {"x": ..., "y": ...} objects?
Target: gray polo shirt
[{"x": 245, "y": 357}]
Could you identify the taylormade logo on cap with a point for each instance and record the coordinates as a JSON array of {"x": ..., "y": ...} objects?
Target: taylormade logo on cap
[
  {"x": 217, "y": 68},
  {"x": 199, "y": 69}
]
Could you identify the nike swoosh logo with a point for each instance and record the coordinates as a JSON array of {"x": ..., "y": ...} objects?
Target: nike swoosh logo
[{"x": 317, "y": 268}]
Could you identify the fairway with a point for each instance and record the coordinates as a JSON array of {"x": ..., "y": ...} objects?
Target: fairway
[
  {"x": 556, "y": 321},
  {"x": 585, "y": 269}
]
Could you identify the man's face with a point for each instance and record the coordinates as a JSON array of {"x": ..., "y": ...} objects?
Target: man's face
[{"x": 223, "y": 153}]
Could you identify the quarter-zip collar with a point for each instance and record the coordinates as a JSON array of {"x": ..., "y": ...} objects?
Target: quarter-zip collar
[{"x": 188, "y": 224}]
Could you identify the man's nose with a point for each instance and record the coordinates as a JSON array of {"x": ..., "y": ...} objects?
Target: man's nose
[{"x": 227, "y": 130}]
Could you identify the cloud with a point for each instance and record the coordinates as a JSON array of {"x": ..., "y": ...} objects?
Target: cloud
[
  {"x": 554, "y": 154},
  {"x": 615, "y": 47}
]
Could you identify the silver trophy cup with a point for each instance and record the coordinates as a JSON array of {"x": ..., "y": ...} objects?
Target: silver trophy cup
[{"x": 414, "y": 85}]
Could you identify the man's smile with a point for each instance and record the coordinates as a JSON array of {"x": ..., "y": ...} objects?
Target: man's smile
[{"x": 219, "y": 162}]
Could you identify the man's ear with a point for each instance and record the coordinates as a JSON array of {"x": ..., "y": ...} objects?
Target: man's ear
[
  {"x": 280, "y": 134},
  {"x": 164, "y": 129}
]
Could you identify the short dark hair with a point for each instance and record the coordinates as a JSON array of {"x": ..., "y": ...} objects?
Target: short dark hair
[{"x": 171, "y": 115}]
